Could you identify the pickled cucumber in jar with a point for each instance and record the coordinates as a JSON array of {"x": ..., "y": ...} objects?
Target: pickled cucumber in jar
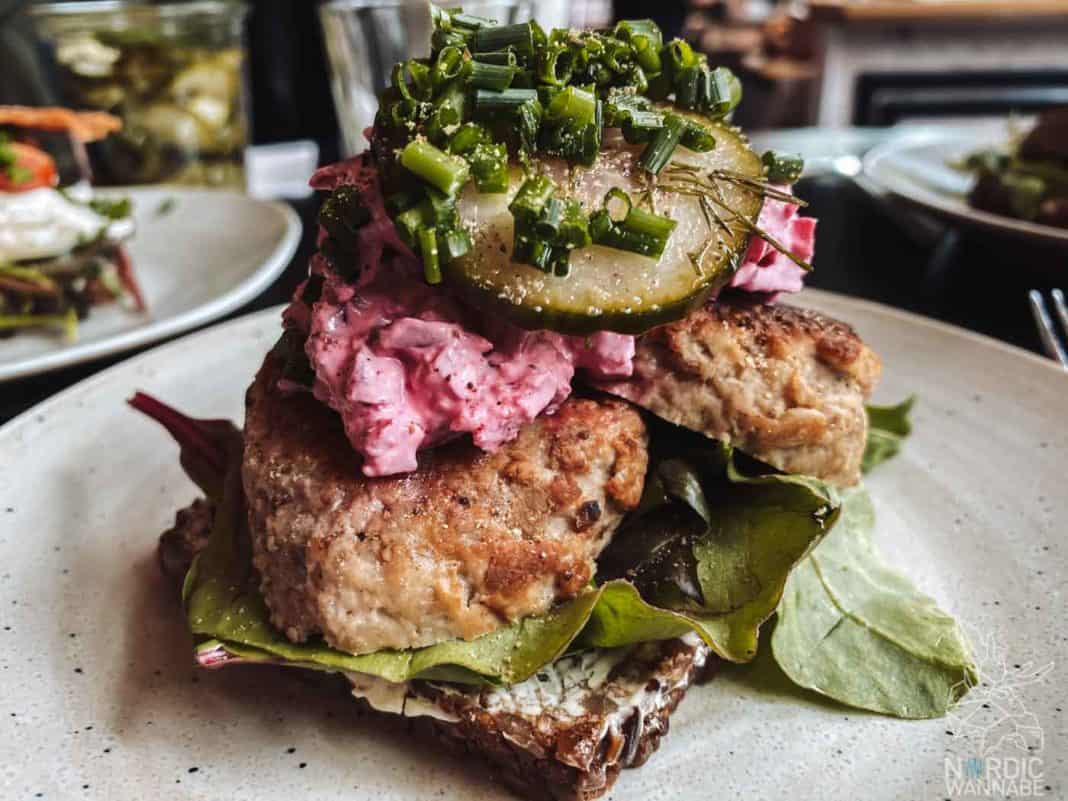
[{"x": 173, "y": 75}]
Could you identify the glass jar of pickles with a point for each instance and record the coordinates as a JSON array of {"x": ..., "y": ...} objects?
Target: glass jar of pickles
[{"x": 173, "y": 72}]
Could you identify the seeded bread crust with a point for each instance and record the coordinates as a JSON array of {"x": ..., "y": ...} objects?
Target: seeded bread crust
[{"x": 550, "y": 756}]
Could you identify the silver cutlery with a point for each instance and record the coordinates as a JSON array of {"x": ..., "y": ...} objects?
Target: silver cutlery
[{"x": 1054, "y": 343}]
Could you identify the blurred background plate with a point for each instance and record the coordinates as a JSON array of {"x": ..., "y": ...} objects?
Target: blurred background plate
[
  {"x": 198, "y": 254},
  {"x": 918, "y": 167}
]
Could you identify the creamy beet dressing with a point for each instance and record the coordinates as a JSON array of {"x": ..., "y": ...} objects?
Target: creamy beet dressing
[
  {"x": 400, "y": 364},
  {"x": 766, "y": 269},
  {"x": 407, "y": 366}
]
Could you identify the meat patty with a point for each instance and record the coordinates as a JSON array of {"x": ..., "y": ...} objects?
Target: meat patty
[
  {"x": 783, "y": 384},
  {"x": 467, "y": 542}
]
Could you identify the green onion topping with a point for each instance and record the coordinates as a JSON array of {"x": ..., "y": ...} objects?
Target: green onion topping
[
  {"x": 442, "y": 171},
  {"x": 782, "y": 168},
  {"x": 489, "y": 91},
  {"x": 620, "y": 224}
]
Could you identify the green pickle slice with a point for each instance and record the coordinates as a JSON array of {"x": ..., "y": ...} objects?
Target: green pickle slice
[{"x": 610, "y": 289}]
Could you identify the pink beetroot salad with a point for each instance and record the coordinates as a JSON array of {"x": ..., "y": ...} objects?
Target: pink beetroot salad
[{"x": 406, "y": 365}]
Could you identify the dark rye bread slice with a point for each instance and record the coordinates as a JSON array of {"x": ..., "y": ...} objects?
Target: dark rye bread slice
[
  {"x": 563, "y": 735},
  {"x": 606, "y": 711}
]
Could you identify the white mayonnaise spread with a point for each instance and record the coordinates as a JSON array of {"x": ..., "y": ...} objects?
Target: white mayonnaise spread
[
  {"x": 41, "y": 223},
  {"x": 561, "y": 691},
  {"x": 394, "y": 698}
]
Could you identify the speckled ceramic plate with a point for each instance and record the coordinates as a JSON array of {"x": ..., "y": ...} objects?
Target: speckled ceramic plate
[
  {"x": 918, "y": 168},
  {"x": 100, "y": 699},
  {"x": 198, "y": 254}
]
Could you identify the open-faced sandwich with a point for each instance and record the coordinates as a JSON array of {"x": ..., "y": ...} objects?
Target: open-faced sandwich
[
  {"x": 61, "y": 248},
  {"x": 537, "y": 446}
]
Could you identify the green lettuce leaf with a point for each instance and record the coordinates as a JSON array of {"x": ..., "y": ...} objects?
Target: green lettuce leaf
[
  {"x": 887, "y": 428},
  {"x": 716, "y": 536},
  {"x": 854, "y": 629}
]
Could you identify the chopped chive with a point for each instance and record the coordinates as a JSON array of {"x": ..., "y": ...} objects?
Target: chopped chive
[
  {"x": 489, "y": 166},
  {"x": 548, "y": 224},
  {"x": 441, "y": 208},
  {"x": 448, "y": 112},
  {"x": 641, "y": 126},
  {"x": 412, "y": 80},
  {"x": 524, "y": 79},
  {"x": 466, "y": 137},
  {"x": 532, "y": 197},
  {"x": 782, "y": 168},
  {"x": 697, "y": 137},
  {"x": 428, "y": 250},
  {"x": 646, "y": 40},
  {"x": 613, "y": 236},
  {"x": 539, "y": 253},
  {"x": 645, "y": 223},
  {"x": 527, "y": 123},
  {"x": 621, "y": 225},
  {"x": 648, "y": 56},
  {"x": 592, "y": 135},
  {"x": 601, "y": 226},
  {"x": 630, "y": 30},
  {"x": 635, "y": 78},
  {"x": 442, "y": 38},
  {"x": 402, "y": 113},
  {"x": 617, "y": 204},
  {"x": 678, "y": 55},
  {"x": 519, "y": 36},
  {"x": 471, "y": 22},
  {"x": 573, "y": 106},
  {"x": 507, "y": 101},
  {"x": 574, "y": 227},
  {"x": 724, "y": 91},
  {"x": 448, "y": 65},
  {"x": 547, "y": 227},
  {"x": 538, "y": 34},
  {"x": 686, "y": 86},
  {"x": 410, "y": 222},
  {"x": 439, "y": 169},
  {"x": 556, "y": 65},
  {"x": 504, "y": 58},
  {"x": 491, "y": 76},
  {"x": 453, "y": 244},
  {"x": 658, "y": 152}
]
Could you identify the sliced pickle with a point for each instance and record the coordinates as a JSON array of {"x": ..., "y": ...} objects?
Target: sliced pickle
[{"x": 610, "y": 289}]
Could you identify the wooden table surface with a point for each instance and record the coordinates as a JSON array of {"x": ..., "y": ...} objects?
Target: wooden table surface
[{"x": 946, "y": 10}]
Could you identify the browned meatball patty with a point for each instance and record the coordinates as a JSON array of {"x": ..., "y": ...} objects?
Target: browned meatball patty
[
  {"x": 464, "y": 544},
  {"x": 783, "y": 384}
]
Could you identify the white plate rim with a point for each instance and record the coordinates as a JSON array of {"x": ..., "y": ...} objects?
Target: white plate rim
[
  {"x": 154, "y": 331},
  {"x": 859, "y": 304},
  {"x": 876, "y": 158},
  {"x": 252, "y": 334}
]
